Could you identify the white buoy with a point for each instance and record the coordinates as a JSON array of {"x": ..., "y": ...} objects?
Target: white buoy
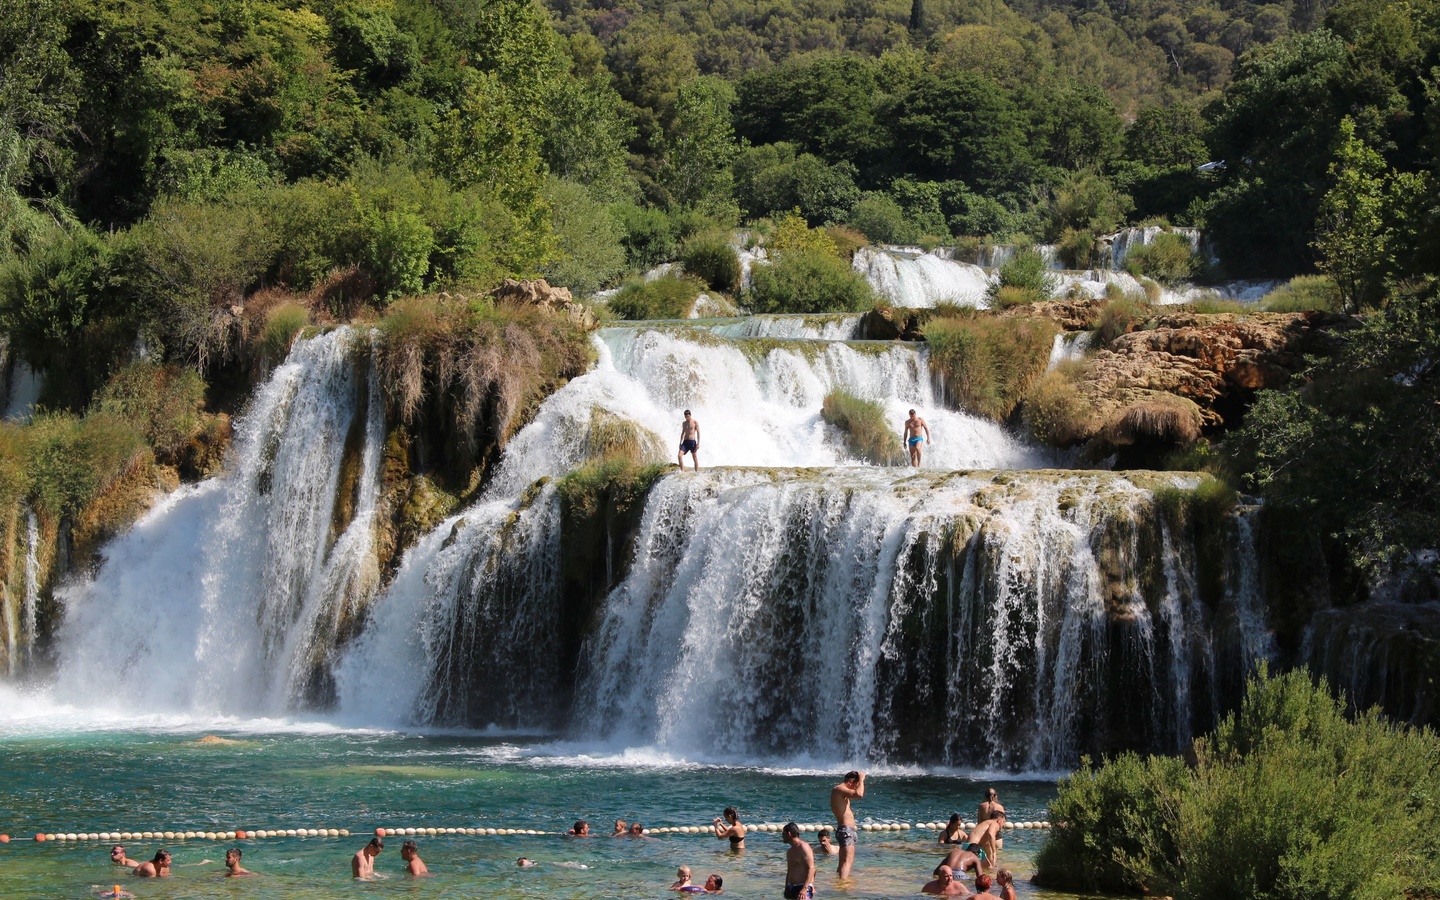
[
  {"x": 344, "y": 832},
  {"x": 290, "y": 832}
]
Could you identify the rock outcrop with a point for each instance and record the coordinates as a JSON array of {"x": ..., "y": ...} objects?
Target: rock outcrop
[{"x": 540, "y": 293}]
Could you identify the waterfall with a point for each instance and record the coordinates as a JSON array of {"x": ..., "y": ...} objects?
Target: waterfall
[
  {"x": 1069, "y": 346},
  {"x": 914, "y": 279},
  {"x": 758, "y": 402},
  {"x": 833, "y": 613},
  {"x": 30, "y": 604},
  {"x": 829, "y": 327},
  {"x": 225, "y": 596}
]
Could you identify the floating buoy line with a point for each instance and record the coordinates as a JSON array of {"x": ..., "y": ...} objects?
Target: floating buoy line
[{"x": 260, "y": 834}]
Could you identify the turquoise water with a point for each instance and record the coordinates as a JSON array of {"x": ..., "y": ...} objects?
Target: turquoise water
[{"x": 74, "y": 779}]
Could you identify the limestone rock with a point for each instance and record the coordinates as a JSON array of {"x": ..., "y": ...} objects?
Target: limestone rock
[{"x": 540, "y": 293}]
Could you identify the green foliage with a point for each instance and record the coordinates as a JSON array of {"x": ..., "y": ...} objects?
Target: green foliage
[
  {"x": 162, "y": 403},
  {"x": 695, "y": 169},
  {"x": 1168, "y": 258},
  {"x": 880, "y": 218},
  {"x": 709, "y": 257},
  {"x": 863, "y": 425},
  {"x": 808, "y": 281},
  {"x": 1054, "y": 411},
  {"x": 668, "y": 297},
  {"x": 590, "y": 253},
  {"x": 772, "y": 179},
  {"x": 1087, "y": 201},
  {"x": 1292, "y": 774},
  {"x": 989, "y": 363},
  {"x": 50, "y": 289},
  {"x": 1302, "y": 294},
  {"x": 1352, "y": 237},
  {"x": 648, "y": 235},
  {"x": 1353, "y": 452},
  {"x": 282, "y": 323},
  {"x": 1121, "y": 315},
  {"x": 72, "y": 459},
  {"x": 1025, "y": 271}
]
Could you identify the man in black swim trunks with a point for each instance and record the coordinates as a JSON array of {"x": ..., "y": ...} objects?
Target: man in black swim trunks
[
  {"x": 689, "y": 441},
  {"x": 799, "y": 865}
]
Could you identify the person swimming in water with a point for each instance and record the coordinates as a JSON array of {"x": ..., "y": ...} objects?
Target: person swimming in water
[
  {"x": 689, "y": 441},
  {"x": 119, "y": 857},
  {"x": 913, "y": 426},
  {"x": 954, "y": 831},
  {"x": 362, "y": 864},
  {"x": 730, "y": 827},
  {"x": 826, "y": 847},
  {"x": 414, "y": 865},
  {"x": 233, "y": 868},
  {"x": 159, "y": 867}
]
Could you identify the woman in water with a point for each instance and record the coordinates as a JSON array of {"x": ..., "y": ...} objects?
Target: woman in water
[
  {"x": 730, "y": 827},
  {"x": 953, "y": 832}
]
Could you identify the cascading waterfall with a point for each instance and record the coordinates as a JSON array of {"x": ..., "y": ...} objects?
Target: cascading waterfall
[
  {"x": 30, "y": 604},
  {"x": 831, "y": 327},
  {"x": 224, "y": 596},
  {"x": 1069, "y": 346},
  {"x": 915, "y": 279}
]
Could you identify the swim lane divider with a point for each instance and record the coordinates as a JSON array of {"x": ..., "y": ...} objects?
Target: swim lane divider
[{"x": 406, "y": 831}]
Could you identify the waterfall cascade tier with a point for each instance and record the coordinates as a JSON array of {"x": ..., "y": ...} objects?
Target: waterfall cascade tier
[{"x": 791, "y": 602}]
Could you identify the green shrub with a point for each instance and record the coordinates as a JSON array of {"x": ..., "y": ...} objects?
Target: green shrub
[
  {"x": 808, "y": 281},
  {"x": 282, "y": 322},
  {"x": 1121, "y": 317},
  {"x": 1055, "y": 412},
  {"x": 1213, "y": 305},
  {"x": 1025, "y": 270},
  {"x": 867, "y": 434},
  {"x": 590, "y": 253},
  {"x": 989, "y": 363},
  {"x": 161, "y": 402},
  {"x": 1168, "y": 259},
  {"x": 73, "y": 459},
  {"x": 670, "y": 297},
  {"x": 846, "y": 240},
  {"x": 709, "y": 257},
  {"x": 879, "y": 218},
  {"x": 1304, "y": 293},
  {"x": 647, "y": 235},
  {"x": 1287, "y": 799},
  {"x": 1076, "y": 247},
  {"x": 1009, "y": 295}
]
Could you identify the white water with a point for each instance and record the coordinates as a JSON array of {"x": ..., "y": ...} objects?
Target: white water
[
  {"x": 1069, "y": 346},
  {"x": 758, "y": 405},
  {"x": 215, "y": 599},
  {"x": 20, "y": 613},
  {"x": 25, "y": 386},
  {"x": 916, "y": 279},
  {"x": 832, "y": 327}
]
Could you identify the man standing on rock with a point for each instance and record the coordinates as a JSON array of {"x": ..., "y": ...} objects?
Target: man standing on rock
[
  {"x": 689, "y": 441},
  {"x": 852, "y": 788},
  {"x": 913, "y": 426}
]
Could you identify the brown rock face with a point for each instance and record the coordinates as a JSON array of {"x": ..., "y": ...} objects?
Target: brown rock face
[
  {"x": 1186, "y": 371},
  {"x": 540, "y": 293}
]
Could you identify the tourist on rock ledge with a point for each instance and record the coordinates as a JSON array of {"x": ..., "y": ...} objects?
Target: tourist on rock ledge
[
  {"x": 913, "y": 426},
  {"x": 852, "y": 788},
  {"x": 689, "y": 441}
]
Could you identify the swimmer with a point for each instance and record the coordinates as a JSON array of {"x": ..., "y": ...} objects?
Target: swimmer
[
  {"x": 682, "y": 879},
  {"x": 362, "y": 865},
  {"x": 963, "y": 858},
  {"x": 622, "y": 828},
  {"x": 525, "y": 862},
  {"x": 116, "y": 892},
  {"x": 689, "y": 441},
  {"x": 982, "y": 884},
  {"x": 799, "y": 865},
  {"x": 851, "y": 788},
  {"x": 729, "y": 827},
  {"x": 986, "y": 836},
  {"x": 1006, "y": 879},
  {"x": 232, "y": 864},
  {"x": 945, "y": 884},
  {"x": 826, "y": 847},
  {"x": 414, "y": 865},
  {"x": 714, "y": 885},
  {"x": 990, "y": 807},
  {"x": 581, "y": 829},
  {"x": 953, "y": 832},
  {"x": 913, "y": 426},
  {"x": 159, "y": 867},
  {"x": 118, "y": 857},
  {"x": 637, "y": 830}
]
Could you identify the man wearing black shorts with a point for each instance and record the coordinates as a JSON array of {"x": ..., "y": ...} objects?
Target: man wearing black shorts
[
  {"x": 689, "y": 441},
  {"x": 799, "y": 865}
]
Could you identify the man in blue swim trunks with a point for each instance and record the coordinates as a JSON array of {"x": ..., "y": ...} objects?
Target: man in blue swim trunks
[
  {"x": 913, "y": 426},
  {"x": 799, "y": 865},
  {"x": 689, "y": 441}
]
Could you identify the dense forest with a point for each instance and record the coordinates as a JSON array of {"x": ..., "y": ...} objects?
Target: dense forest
[{"x": 186, "y": 183}]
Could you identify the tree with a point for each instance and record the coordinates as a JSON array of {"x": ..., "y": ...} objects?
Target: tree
[
  {"x": 1351, "y": 234},
  {"x": 700, "y": 144}
]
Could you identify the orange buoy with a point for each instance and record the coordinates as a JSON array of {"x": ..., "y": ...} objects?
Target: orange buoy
[
  {"x": 239, "y": 835},
  {"x": 4, "y": 838},
  {"x": 40, "y": 838},
  {"x": 379, "y": 832}
]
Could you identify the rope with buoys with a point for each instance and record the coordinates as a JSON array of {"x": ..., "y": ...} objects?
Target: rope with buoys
[{"x": 467, "y": 831}]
